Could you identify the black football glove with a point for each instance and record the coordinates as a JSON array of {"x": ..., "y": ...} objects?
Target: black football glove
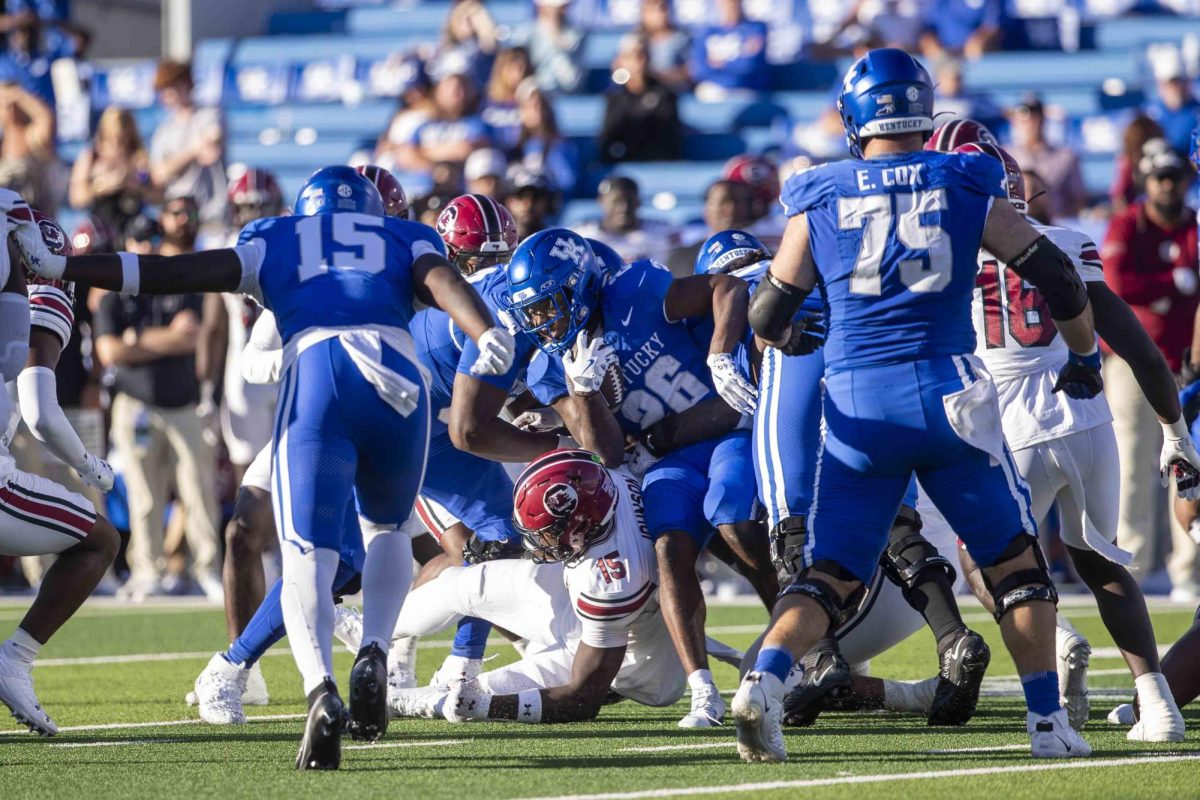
[
  {"x": 1080, "y": 377},
  {"x": 807, "y": 334}
]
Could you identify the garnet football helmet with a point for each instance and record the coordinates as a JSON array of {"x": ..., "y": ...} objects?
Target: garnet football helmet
[
  {"x": 957, "y": 132},
  {"x": 1014, "y": 179},
  {"x": 478, "y": 231},
  {"x": 395, "y": 201},
  {"x": 253, "y": 195},
  {"x": 760, "y": 175},
  {"x": 565, "y": 501}
]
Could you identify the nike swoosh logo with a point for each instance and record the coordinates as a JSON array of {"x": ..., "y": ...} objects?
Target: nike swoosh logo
[{"x": 628, "y": 316}]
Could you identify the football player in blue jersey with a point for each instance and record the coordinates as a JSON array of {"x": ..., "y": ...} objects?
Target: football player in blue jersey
[
  {"x": 636, "y": 331},
  {"x": 893, "y": 235},
  {"x": 787, "y": 433},
  {"x": 353, "y": 415}
]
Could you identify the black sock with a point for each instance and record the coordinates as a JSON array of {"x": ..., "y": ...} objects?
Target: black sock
[{"x": 933, "y": 598}]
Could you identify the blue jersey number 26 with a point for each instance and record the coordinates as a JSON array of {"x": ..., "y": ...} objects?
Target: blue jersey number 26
[
  {"x": 873, "y": 214},
  {"x": 355, "y": 243}
]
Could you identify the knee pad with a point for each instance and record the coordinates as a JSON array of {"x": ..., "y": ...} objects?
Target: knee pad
[
  {"x": 909, "y": 554},
  {"x": 825, "y": 596},
  {"x": 1022, "y": 586},
  {"x": 787, "y": 547}
]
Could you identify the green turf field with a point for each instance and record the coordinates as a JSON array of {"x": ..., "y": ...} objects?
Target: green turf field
[{"x": 128, "y": 733}]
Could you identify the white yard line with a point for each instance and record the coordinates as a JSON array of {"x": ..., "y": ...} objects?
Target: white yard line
[
  {"x": 992, "y": 749},
  {"x": 664, "y": 748},
  {"x": 386, "y": 745},
  {"x": 120, "y": 726},
  {"x": 115, "y": 743},
  {"x": 133, "y": 658},
  {"x": 684, "y": 791}
]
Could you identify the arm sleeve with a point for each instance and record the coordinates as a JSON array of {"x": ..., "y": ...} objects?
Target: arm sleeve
[
  {"x": 1130, "y": 284},
  {"x": 38, "y": 392},
  {"x": 1083, "y": 254},
  {"x": 262, "y": 358},
  {"x": 251, "y": 254}
]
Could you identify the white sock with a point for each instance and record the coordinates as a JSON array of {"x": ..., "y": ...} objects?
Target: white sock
[
  {"x": 909, "y": 697},
  {"x": 22, "y": 648},
  {"x": 386, "y": 578},
  {"x": 700, "y": 679},
  {"x": 403, "y": 651},
  {"x": 308, "y": 613},
  {"x": 1152, "y": 689}
]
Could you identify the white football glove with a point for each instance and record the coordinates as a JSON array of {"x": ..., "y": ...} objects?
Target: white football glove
[
  {"x": 639, "y": 460},
  {"x": 467, "y": 702},
  {"x": 586, "y": 363},
  {"x": 95, "y": 471},
  {"x": 496, "y": 352},
  {"x": 539, "y": 420},
  {"x": 28, "y": 238},
  {"x": 734, "y": 387},
  {"x": 1179, "y": 458}
]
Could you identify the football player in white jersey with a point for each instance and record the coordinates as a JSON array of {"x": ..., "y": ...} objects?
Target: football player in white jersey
[
  {"x": 38, "y": 516},
  {"x": 586, "y": 603},
  {"x": 1065, "y": 448}
]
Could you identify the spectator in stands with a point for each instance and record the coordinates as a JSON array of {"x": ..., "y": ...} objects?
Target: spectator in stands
[
  {"x": 27, "y": 56},
  {"x": 27, "y": 156},
  {"x": 1150, "y": 259},
  {"x": 1125, "y": 189},
  {"x": 149, "y": 344},
  {"x": 729, "y": 59},
  {"x": 468, "y": 41},
  {"x": 111, "y": 178},
  {"x": 668, "y": 44},
  {"x": 447, "y": 177},
  {"x": 621, "y": 227},
  {"x": 823, "y": 139},
  {"x": 484, "y": 172},
  {"x": 953, "y": 98},
  {"x": 882, "y": 23},
  {"x": 532, "y": 198},
  {"x": 1176, "y": 109},
  {"x": 555, "y": 47},
  {"x": 500, "y": 112},
  {"x": 727, "y": 204},
  {"x": 539, "y": 144},
  {"x": 187, "y": 150},
  {"x": 1037, "y": 198},
  {"x": 1058, "y": 166},
  {"x": 416, "y": 107},
  {"x": 452, "y": 131},
  {"x": 641, "y": 115},
  {"x": 425, "y": 209},
  {"x": 968, "y": 28}
]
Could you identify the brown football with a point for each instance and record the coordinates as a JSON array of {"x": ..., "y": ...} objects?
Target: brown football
[{"x": 613, "y": 387}]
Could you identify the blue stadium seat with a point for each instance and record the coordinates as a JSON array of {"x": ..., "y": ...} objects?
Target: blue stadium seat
[
  {"x": 1098, "y": 170},
  {"x": 684, "y": 179},
  {"x": 428, "y": 17},
  {"x": 306, "y": 22},
  {"x": 288, "y": 155},
  {"x": 363, "y": 120},
  {"x": 288, "y": 49},
  {"x": 1131, "y": 32},
  {"x": 1040, "y": 70}
]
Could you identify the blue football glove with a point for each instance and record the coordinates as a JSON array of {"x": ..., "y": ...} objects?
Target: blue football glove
[{"x": 1080, "y": 376}]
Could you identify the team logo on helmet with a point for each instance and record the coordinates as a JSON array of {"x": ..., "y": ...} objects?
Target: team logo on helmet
[
  {"x": 913, "y": 94},
  {"x": 344, "y": 190},
  {"x": 561, "y": 500},
  {"x": 567, "y": 250},
  {"x": 52, "y": 235},
  {"x": 446, "y": 220}
]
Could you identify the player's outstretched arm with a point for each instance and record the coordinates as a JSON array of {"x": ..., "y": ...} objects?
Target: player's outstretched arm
[
  {"x": 592, "y": 674},
  {"x": 781, "y": 292},
  {"x": 1120, "y": 329},
  {"x": 437, "y": 283},
  {"x": 1009, "y": 236},
  {"x": 475, "y": 425}
]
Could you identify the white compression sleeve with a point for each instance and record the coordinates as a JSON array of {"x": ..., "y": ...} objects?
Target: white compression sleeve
[
  {"x": 262, "y": 357},
  {"x": 386, "y": 578},
  {"x": 308, "y": 613},
  {"x": 38, "y": 392}
]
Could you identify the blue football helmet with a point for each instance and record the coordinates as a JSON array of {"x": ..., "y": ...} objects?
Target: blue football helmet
[
  {"x": 338, "y": 188},
  {"x": 608, "y": 260},
  {"x": 1194, "y": 148},
  {"x": 553, "y": 285},
  {"x": 887, "y": 91},
  {"x": 726, "y": 251}
]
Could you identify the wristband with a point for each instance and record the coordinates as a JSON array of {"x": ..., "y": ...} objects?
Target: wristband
[
  {"x": 131, "y": 273},
  {"x": 529, "y": 706},
  {"x": 1175, "y": 430}
]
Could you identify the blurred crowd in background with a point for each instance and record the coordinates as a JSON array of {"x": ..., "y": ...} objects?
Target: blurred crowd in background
[{"x": 477, "y": 110}]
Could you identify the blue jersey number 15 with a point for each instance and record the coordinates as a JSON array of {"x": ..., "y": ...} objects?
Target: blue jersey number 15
[{"x": 355, "y": 243}]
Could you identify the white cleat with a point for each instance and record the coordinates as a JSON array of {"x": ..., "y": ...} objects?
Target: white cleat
[
  {"x": 1157, "y": 722},
  {"x": 402, "y": 664},
  {"x": 425, "y": 702},
  {"x": 708, "y": 709},
  {"x": 218, "y": 692},
  {"x": 757, "y": 711},
  {"x": 454, "y": 669},
  {"x": 16, "y": 692},
  {"x": 1053, "y": 736},
  {"x": 1122, "y": 715},
  {"x": 348, "y": 627},
  {"x": 256, "y": 693},
  {"x": 1074, "y": 653}
]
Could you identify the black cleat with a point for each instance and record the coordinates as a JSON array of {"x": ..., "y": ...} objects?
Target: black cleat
[
  {"x": 964, "y": 663},
  {"x": 826, "y": 677},
  {"x": 321, "y": 747},
  {"x": 368, "y": 695}
]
